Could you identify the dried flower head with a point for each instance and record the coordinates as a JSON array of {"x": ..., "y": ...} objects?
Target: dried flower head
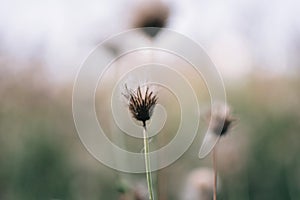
[
  {"x": 151, "y": 14},
  {"x": 141, "y": 105},
  {"x": 221, "y": 119}
]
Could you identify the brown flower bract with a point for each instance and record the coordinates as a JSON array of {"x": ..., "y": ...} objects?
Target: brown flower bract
[{"x": 141, "y": 106}]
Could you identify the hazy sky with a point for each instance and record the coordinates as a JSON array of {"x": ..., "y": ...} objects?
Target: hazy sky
[{"x": 236, "y": 34}]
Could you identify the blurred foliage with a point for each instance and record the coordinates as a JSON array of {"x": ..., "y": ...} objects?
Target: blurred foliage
[
  {"x": 269, "y": 110},
  {"x": 41, "y": 156}
]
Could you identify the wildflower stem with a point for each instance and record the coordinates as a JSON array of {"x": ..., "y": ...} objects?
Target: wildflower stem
[
  {"x": 147, "y": 163},
  {"x": 215, "y": 172}
]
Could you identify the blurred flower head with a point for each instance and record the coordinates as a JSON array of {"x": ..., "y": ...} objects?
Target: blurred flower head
[
  {"x": 150, "y": 14},
  {"x": 140, "y": 192},
  {"x": 221, "y": 119},
  {"x": 199, "y": 185}
]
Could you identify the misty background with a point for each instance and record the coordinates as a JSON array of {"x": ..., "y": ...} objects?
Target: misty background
[{"x": 255, "y": 45}]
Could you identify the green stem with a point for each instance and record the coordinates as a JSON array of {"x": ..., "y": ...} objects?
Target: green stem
[{"x": 147, "y": 163}]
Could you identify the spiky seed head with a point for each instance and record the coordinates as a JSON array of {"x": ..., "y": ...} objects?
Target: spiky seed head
[
  {"x": 221, "y": 119},
  {"x": 141, "y": 105}
]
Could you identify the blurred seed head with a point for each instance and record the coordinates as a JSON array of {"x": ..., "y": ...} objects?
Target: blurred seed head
[
  {"x": 199, "y": 185},
  {"x": 151, "y": 14},
  {"x": 140, "y": 192},
  {"x": 221, "y": 119},
  {"x": 141, "y": 103}
]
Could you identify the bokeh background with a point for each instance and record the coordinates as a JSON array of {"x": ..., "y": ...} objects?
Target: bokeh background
[{"x": 255, "y": 45}]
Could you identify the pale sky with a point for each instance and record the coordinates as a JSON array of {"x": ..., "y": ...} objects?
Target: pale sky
[{"x": 236, "y": 34}]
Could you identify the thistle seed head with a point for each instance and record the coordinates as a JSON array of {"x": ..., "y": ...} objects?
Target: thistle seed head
[
  {"x": 141, "y": 105},
  {"x": 221, "y": 119},
  {"x": 152, "y": 14}
]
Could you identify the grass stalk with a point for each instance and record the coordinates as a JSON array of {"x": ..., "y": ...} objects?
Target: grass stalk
[{"x": 147, "y": 163}]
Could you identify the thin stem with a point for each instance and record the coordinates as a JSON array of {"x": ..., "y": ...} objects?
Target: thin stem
[
  {"x": 215, "y": 172},
  {"x": 147, "y": 163}
]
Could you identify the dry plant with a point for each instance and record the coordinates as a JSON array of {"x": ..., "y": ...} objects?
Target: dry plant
[
  {"x": 150, "y": 14},
  {"x": 221, "y": 120},
  {"x": 141, "y": 105}
]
